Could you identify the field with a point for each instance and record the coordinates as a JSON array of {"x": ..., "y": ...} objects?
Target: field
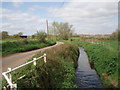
[{"x": 15, "y": 46}]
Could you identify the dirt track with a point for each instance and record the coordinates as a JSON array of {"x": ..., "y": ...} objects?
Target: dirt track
[{"x": 20, "y": 58}]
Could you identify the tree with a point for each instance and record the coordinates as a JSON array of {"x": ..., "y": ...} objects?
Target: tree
[
  {"x": 5, "y": 34},
  {"x": 116, "y": 35},
  {"x": 54, "y": 28},
  {"x": 63, "y": 30},
  {"x": 15, "y": 36},
  {"x": 20, "y": 33},
  {"x": 41, "y": 36},
  {"x": 33, "y": 36}
]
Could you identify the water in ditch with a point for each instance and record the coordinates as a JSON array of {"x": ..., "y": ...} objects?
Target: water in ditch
[{"x": 85, "y": 76}]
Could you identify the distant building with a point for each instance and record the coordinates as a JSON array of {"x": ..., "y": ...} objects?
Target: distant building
[{"x": 23, "y": 36}]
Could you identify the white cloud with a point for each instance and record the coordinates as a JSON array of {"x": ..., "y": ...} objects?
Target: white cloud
[
  {"x": 63, "y": 0},
  {"x": 33, "y": 8},
  {"x": 14, "y": 28},
  {"x": 16, "y": 21},
  {"x": 17, "y": 16},
  {"x": 17, "y": 4},
  {"x": 92, "y": 17}
]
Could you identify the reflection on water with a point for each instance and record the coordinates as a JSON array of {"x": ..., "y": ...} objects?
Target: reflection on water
[{"x": 85, "y": 76}]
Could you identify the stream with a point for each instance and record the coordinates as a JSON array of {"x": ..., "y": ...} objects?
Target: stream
[{"x": 85, "y": 76}]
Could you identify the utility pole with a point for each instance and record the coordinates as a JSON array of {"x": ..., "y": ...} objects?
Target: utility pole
[{"x": 47, "y": 27}]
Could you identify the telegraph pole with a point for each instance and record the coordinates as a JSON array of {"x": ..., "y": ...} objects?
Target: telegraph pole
[{"x": 47, "y": 27}]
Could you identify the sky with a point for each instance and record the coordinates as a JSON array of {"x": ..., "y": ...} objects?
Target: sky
[{"x": 86, "y": 17}]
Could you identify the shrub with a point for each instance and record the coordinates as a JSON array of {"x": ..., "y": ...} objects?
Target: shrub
[
  {"x": 24, "y": 41},
  {"x": 41, "y": 36},
  {"x": 116, "y": 35}
]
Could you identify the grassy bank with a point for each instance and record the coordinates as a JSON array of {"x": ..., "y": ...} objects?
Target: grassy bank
[
  {"x": 104, "y": 58},
  {"x": 58, "y": 72},
  {"x": 22, "y": 45}
]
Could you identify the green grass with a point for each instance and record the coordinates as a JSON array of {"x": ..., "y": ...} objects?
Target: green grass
[
  {"x": 0, "y": 84},
  {"x": 10, "y": 47},
  {"x": 7, "y": 40},
  {"x": 58, "y": 72},
  {"x": 113, "y": 44},
  {"x": 105, "y": 60},
  {"x": 74, "y": 38}
]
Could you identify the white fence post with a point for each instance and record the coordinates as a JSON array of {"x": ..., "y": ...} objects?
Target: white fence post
[
  {"x": 14, "y": 86},
  {"x": 9, "y": 74},
  {"x": 4, "y": 88},
  {"x": 34, "y": 61},
  {"x": 45, "y": 57}
]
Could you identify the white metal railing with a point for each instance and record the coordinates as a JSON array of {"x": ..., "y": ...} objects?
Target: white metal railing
[{"x": 8, "y": 75}]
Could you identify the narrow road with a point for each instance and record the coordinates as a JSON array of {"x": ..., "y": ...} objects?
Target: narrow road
[
  {"x": 17, "y": 59},
  {"x": 85, "y": 76}
]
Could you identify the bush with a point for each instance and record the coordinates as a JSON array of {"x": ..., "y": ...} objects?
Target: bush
[
  {"x": 41, "y": 36},
  {"x": 116, "y": 35},
  {"x": 24, "y": 41}
]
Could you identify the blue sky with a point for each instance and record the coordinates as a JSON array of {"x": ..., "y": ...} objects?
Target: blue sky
[
  {"x": 26, "y": 5},
  {"x": 39, "y": 6},
  {"x": 86, "y": 17}
]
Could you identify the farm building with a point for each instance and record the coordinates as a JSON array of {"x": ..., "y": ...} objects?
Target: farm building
[{"x": 23, "y": 36}]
